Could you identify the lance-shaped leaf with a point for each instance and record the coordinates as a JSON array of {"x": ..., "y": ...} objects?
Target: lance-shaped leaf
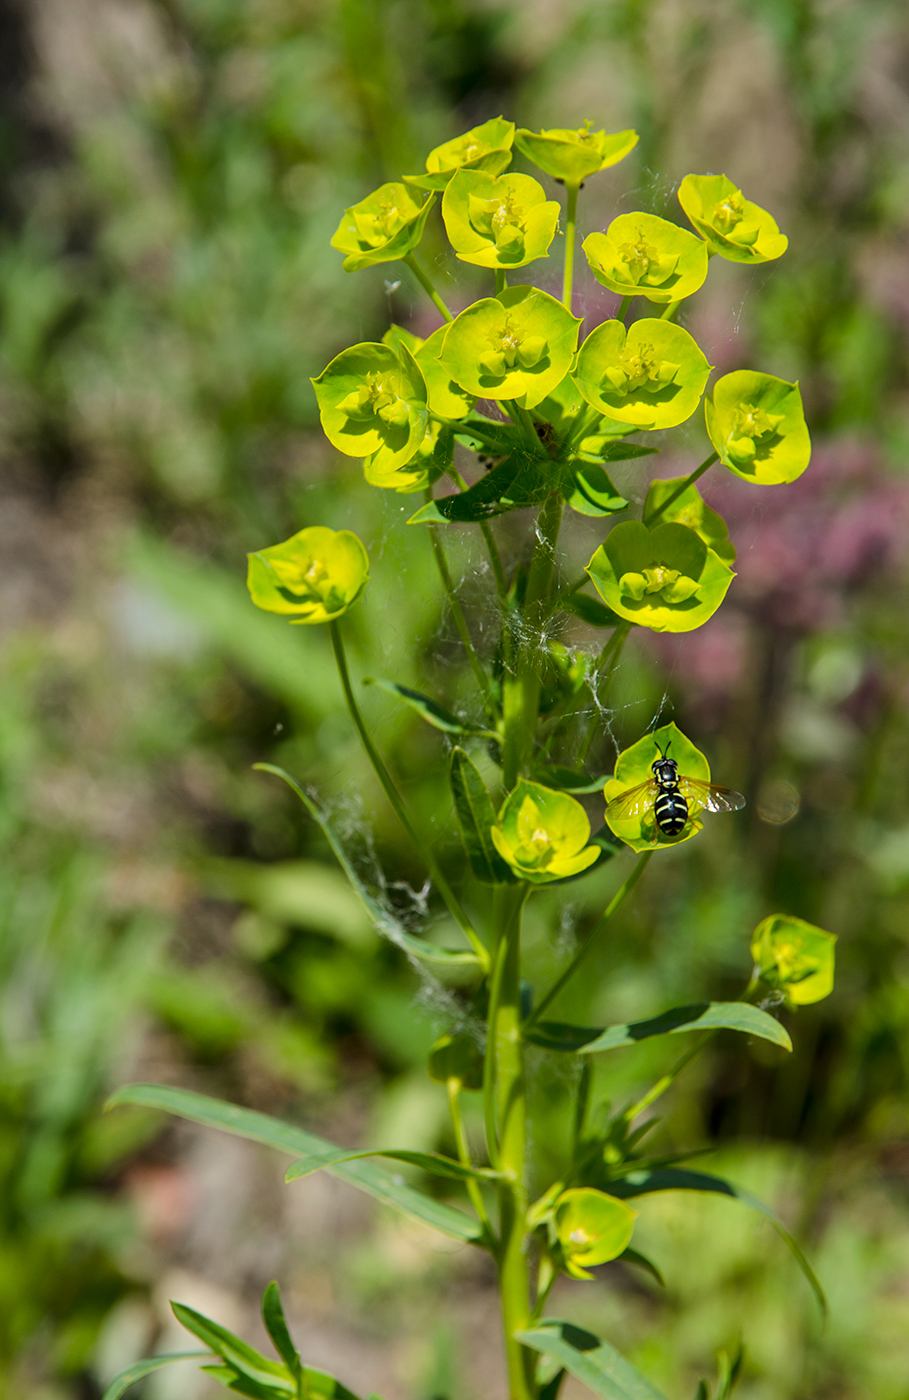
[
  {"x": 652, "y": 375},
  {"x": 677, "y": 1179},
  {"x": 489, "y": 435},
  {"x": 486, "y": 147},
  {"x": 431, "y": 1162},
  {"x": 757, "y": 425},
  {"x": 476, "y": 818},
  {"x": 570, "y": 780},
  {"x": 642, "y": 255},
  {"x": 591, "y": 1360},
  {"x": 382, "y": 918},
  {"x": 271, "y": 1376},
  {"x": 498, "y": 221},
  {"x": 385, "y": 226},
  {"x": 515, "y": 484},
  {"x": 277, "y": 1329},
  {"x": 688, "y": 508},
  {"x": 731, "y": 225},
  {"x": 589, "y": 610},
  {"x": 140, "y": 1369},
  {"x": 702, "y": 1016},
  {"x": 372, "y": 404},
  {"x": 666, "y": 578},
  {"x": 573, "y": 156},
  {"x": 603, "y": 447},
  {"x": 517, "y": 345},
  {"x": 296, "y": 1142},
  {"x": 430, "y": 710}
]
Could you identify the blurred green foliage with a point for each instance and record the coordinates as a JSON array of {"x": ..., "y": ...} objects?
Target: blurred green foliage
[{"x": 166, "y": 290}]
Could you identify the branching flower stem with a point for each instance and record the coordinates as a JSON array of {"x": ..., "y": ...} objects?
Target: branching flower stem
[
  {"x": 571, "y": 211},
  {"x": 689, "y": 481},
  {"x": 473, "y": 1187},
  {"x": 428, "y": 286},
  {"x": 618, "y": 899},
  {"x": 391, "y": 792},
  {"x": 457, "y": 611}
]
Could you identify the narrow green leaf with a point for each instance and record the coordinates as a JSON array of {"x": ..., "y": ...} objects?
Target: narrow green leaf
[
  {"x": 120, "y": 1384},
  {"x": 432, "y": 1162},
  {"x": 550, "y": 1389},
  {"x": 277, "y": 1329},
  {"x": 296, "y": 1142},
  {"x": 589, "y": 610},
  {"x": 620, "y": 452},
  {"x": 237, "y": 1353},
  {"x": 678, "y": 1179},
  {"x": 703, "y": 1391},
  {"x": 568, "y": 780},
  {"x": 476, "y": 817},
  {"x": 382, "y": 918},
  {"x": 427, "y": 709},
  {"x": 235, "y": 1380},
  {"x": 730, "y": 1371},
  {"x": 319, "y": 1385},
  {"x": 714, "y": 1015},
  {"x": 633, "y": 1256},
  {"x": 479, "y": 502},
  {"x": 595, "y": 1362},
  {"x": 487, "y": 434}
]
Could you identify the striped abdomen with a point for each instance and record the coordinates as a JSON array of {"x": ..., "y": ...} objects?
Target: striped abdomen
[{"x": 670, "y": 812}]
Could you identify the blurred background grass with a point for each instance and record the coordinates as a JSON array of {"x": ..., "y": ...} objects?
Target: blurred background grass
[{"x": 170, "y": 174}]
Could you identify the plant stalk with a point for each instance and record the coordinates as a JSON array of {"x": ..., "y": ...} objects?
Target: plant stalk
[
  {"x": 457, "y": 1122},
  {"x": 571, "y": 211},
  {"x": 428, "y": 286},
  {"x": 618, "y": 899},
  {"x": 457, "y": 611},
  {"x": 391, "y": 792},
  {"x": 689, "y": 481}
]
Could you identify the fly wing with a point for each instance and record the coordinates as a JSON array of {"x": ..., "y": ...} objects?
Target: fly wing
[
  {"x": 633, "y": 803},
  {"x": 709, "y": 797}
]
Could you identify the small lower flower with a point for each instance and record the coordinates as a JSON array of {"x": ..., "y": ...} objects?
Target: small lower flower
[
  {"x": 542, "y": 834},
  {"x": 315, "y": 576},
  {"x": 591, "y": 1228}
]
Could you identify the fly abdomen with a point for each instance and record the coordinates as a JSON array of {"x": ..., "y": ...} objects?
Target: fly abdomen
[{"x": 670, "y": 812}]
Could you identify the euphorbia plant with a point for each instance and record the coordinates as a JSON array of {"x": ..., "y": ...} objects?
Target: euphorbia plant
[{"x": 512, "y": 386}]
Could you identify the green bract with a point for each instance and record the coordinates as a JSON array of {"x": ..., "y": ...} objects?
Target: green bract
[
  {"x": 633, "y": 766},
  {"x": 666, "y": 578},
  {"x": 444, "y": 396},
  {"x": 498, "y": 221},
  {"x": 794, "y": 957},
  {"x": 542, "y": 834},
  {"x": 689, "y": 508},
  {"x": 641, "y": 255},
  {"x": 573, "y": 155},
  {"x": 652, "y": 376},
  {"x": 372, "y": 403},
  {"x": 486, "y": 147},
  {"x": 757, "y": 425},
  {"x": 731, "y": 225},
  {"x": 316, "y": 574},
  {"x": 386, "y": 225},
  {"x": 591, "y": 1228},
  {"x": 517, "y": 345}
]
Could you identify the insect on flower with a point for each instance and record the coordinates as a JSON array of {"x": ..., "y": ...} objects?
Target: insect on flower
[{"x": 674, "y": 798}]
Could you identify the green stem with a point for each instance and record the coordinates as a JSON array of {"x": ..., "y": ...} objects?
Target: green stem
[
  {"x": 571, "y": 211},
  {"x": 495, "y": 560},
  {"x": 669, "y": 310},
  {"x": 391, "y": 792},
  {"x": 689, "y": 481},
  {"x": 501, "y": 280},
  {"x": 521, "y": 685},
  {"x": 622, "y": 312},
  {"x": 426, "y": 283},
  {"x": 494, "y": 444},
  {"x": 618, "y": 899},
  {"x": 520, "y": 416},
  {"x": 511, "y": 1117},
  {"x": 457, "y": 1122},
  {"x": 457, "y": 611}
]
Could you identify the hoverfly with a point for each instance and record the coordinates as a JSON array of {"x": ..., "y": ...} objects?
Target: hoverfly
[{"x": 674, "y": 798}]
